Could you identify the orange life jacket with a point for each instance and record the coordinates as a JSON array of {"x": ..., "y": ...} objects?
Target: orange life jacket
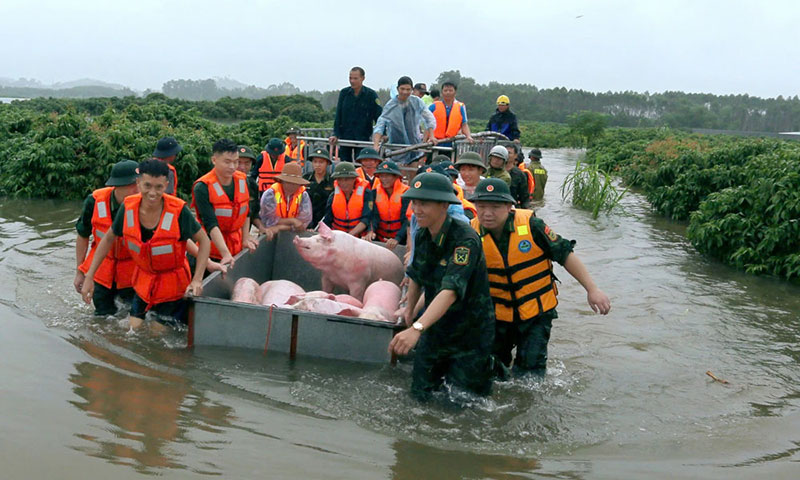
[
  {"x": 162, "y": 272},
  {"x": 267, "y": 171},
  {"x": 389, "y": 209},
  {"x": 447, "y": 127},
  {"x": 287, "y": 207},
  {"x": 363, "y": 175},
  {"x": 347, "y": 213},
  {"x": 531, "y": 181},
  {"x": 468, "y": 206},
  {"x": 175, "y": 177},
  {"x": 231, "y": 215},
  {"x": 117, "y": 267},
  {"x": 521, "y": 280},
  {"x": 296, "y": 152}
]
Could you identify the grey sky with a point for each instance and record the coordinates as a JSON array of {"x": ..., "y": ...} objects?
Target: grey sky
[{"x": 695, "y": 46}]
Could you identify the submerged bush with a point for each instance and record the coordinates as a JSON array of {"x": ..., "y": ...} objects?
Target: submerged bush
[{"x": 591, "y": 189}]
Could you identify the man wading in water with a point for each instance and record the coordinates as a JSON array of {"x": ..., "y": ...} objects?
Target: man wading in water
[{"x": 155, "y": 227}]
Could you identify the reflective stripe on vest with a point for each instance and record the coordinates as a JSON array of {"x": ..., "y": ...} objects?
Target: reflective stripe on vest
[
  {"x": 267, "y": 171},
  {"x": 287, "y": 208},
  {"x": 129, "y": 217},
  {"x": 389, "y": 209},
  {"x": 521, "y": 282},
  {"x": 223, "y": 212},
  {"x": 231, "y": 214},
  {"x": 161, "y": 250},
  {"x": 102, "y": 209}
]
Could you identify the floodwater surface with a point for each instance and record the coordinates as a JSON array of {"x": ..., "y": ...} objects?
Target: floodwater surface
[{"x": 626, "y": 395}]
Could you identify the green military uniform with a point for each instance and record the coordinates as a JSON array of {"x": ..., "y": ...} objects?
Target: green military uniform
[
  {"x": 458, "y": 346},
  {"x": 500, "y": 173},
  {"x": 539, "y": 175},
  {"x": 519, "y": 187},
  {"x": 318, "y": 191},
  {"x": 252, "y": 184},
  {"x": 530, "y": 336}
]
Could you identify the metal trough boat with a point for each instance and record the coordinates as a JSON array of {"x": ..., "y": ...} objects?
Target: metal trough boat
[{"x": 215, "y": 320}]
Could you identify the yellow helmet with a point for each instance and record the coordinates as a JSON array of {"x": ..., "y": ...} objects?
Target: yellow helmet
[{"x": 502, "y": 100}]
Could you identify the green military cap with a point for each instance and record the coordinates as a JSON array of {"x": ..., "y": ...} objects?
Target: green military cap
[
  {"x": 320, "y": 152},
  {"x": 535, "y": 153},
  {"x": 447, "y": 168},
  {"x": 275, "y": 146},
  {"x": 388, "y": 166},
  {"x": 292, "y": 130},
  {"x": 123, "y": 173},
  {"x": 432, "y": 186},
  {"x": 440, "y": 158},
  {"x": 368, "y": 152},
  {"x": 492, "y": 190},
  {"x": 344, "y": 170},
  {"x": 246, "y": 152},
  {"x": 471, "y": 158}
]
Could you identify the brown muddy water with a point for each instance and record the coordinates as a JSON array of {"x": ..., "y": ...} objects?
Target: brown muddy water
[{"x": 626, "y": 395}]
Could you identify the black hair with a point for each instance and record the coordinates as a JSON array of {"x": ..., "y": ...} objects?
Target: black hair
[
  {"x": 450, "y": 84},
  {"x": 404, "y": 80},
  {"x": 434, "y": 93},
  {"x": 154, "y": 167},
  {"x": 224, "y": 145},
  {"x": 359, "y": 70}
]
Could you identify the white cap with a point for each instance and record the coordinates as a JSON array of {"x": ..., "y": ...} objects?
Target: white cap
[{"x": 499, "y": 151}]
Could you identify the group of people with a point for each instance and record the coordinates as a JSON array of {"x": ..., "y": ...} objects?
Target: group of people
[{"x": 479, "y": 262}]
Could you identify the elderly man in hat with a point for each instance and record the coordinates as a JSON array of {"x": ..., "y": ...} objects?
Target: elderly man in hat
[
  {"x": 113, "y": 278},
  {"x": 454, "y": 334},
  {"x": 167, "y": 149},
  {"x": 295, "y": 148},
  {"x": 269, "y": 164},
  {"x": 539, "y": 174},
  {"x": 503, "y": 120},
  {"x": 390, "y": 214},
  {"x": 520, "y": 250},
  {"x": 286, "y": 205},
  {"x": 320, "y": 186},
  {"x": 349, "y": 208}
]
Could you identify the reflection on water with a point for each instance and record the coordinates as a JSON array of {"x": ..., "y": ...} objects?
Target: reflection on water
[{"x": 150, "y": 411}]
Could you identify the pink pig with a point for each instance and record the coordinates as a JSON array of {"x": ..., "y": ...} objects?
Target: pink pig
[{"x": 348, "y": 262}]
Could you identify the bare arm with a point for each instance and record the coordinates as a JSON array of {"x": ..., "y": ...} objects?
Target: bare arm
[
  {"x": 597, "y": 299},
  {"x": 204, "y": 247},
  {"x": 99, "y": 255},
  {"x": 81, "y": 247},
  {"x": 219, "y": 242},
  {"x": 404, "y": 341}
]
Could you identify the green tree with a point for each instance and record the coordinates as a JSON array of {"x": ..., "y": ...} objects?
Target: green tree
[{"x": 589, "y": 125}]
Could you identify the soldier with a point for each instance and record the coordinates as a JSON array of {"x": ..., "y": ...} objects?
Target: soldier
[
  {"x": 369, "y": 159},
  {"x": 349, "y": 208},
  {"x": 246, "y": 159},
  {"x": 167, "y": 150},
  {"x": 520, "y": 250},
  {"x": 519, "y": 180},
  {"x": 113, "y": 278},
  {"x": 295, "y": 149},
  {"x": 539, "y": 174},
  {"x": 320, "y": 184},
  {"x": 454, "y": 335},
  {"x": 390, "y": 215},
  {"x": 471, "y": 168},
  {"x": 498, "y": 156}
]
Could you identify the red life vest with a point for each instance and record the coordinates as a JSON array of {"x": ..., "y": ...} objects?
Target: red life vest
[
  {"x": 447, "y": 127},
  {"x": 162, "y": 272},
  {"x": 347, "y": 213},
  {"x": 296, "y": 152},
  {"x": 231, "y": 215},
  {"x": 267, "y": 171},
  {"x": 287, "y": 207},
  {"x": 389, "y": 210},
  {"x": 118, "y": 265}
]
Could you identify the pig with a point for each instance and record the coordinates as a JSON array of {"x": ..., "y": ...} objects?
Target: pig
[
  {"x": 381, "y": 299},
  {"x": 348, "y": 262},
  {"x": 327, "y": 307},
  {"x": 313, "y": 294},
  {"x": 244, "y": 290},
  {"x": 345, "y": 298},
  {"x": 277, "y": 292}
]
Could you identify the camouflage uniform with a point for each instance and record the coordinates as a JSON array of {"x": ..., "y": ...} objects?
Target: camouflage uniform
[
  {"x": 531, "y": 336},
  {"x": 458, "y": 346},
  {"x": 500, "y": 173}
]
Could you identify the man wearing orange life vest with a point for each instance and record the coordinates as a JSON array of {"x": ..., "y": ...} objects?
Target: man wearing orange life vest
[
  {"x": 349, "y": 207},
  {"x": 286, "y": 205},
  {"x": 520, "y": 250},
  {"x": 167, "y": 149},
  {"x": 294, "y": 148},
  {"x": 155, "y": 228},
  {"x": 269, "y": 164},
  {"x": 222, "y": 202},
  {"x": 450, "y": 115},
  {"x": 390, "y": 215},
  {"x": 113, "y": 277},
  {"x": 369, "y": 159},
  {"x": 446, "y": 168}
]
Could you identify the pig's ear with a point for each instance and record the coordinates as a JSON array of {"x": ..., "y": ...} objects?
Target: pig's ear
[{"x": 325, "y": 231}]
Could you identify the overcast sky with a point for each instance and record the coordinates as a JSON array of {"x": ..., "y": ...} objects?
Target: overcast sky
[{"x": 719, "y": 47}]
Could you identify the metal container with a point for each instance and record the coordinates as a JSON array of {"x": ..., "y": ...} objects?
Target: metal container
[{"x": 215, "y": 320}]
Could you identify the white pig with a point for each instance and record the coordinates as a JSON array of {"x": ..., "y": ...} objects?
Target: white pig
[
  {"x": 277, "y": 292},
  {"x": 348, "y": 262},
  {"x": 244, "y": 290}
]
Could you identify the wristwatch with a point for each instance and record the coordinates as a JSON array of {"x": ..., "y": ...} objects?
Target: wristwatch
[{"x": 418, "y": 326}]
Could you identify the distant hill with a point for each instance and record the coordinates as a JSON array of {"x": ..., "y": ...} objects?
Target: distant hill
[{"x": 81, "y": 82}]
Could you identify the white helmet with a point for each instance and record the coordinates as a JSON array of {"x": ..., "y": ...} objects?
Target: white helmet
[{"x": 499, "y": 151}]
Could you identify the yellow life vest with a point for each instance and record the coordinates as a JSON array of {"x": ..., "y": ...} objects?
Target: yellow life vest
[{"x": 522, "y": 280}]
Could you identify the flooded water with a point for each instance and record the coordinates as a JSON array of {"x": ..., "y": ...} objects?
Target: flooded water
[{"x": 626, "y": 395}]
